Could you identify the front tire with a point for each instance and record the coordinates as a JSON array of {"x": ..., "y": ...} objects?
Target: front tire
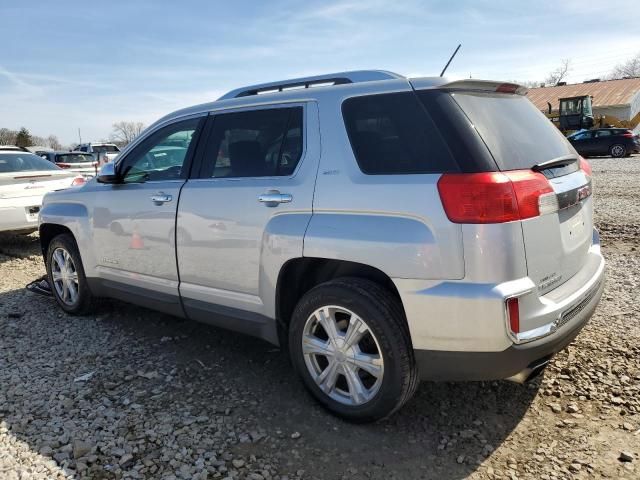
[
  {"x": 349, "y": 342},
  {"x": 618, "y": 151},
  {"x": 66, "y": 276}
]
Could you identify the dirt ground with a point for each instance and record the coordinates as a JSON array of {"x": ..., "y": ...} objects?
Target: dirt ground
[{"x": 130, "y": 393}]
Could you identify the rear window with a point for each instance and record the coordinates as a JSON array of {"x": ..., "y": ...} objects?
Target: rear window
[
  {"x": 393, "y": 134},
  {"x": 24, "y": 162},
  {"x": 73, "y": 158},
  {"x": 515, "y": 131},
  {"x": 105, "y": 149}
]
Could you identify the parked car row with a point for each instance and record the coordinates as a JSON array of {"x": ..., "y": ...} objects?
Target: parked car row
[{"x": 617, "y": 142}]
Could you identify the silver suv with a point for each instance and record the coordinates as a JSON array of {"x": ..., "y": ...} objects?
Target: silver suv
[{"x": 384, "y": 230}]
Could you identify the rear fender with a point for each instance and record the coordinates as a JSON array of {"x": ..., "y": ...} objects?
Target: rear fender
[{"x": 401, "y": 247}]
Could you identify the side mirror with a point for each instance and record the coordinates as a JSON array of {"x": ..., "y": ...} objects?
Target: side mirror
[{"x": 108, "y": 174}]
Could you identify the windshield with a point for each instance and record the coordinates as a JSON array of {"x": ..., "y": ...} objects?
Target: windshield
[
  {"x": 105, "y": 148},
  {"x": 74, "y": 158},
  {"x": 24, "y": 162},
  {"x": 517, "y": 134}
]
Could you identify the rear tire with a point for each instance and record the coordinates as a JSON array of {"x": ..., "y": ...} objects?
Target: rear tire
[
  {"x": 365, "y": 370},
  {"x": 618, "y": 151},
  {"x": 66, "y": 276}
]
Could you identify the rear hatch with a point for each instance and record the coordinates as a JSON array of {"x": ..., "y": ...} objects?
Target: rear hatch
[
  {"x": 33, "y": 183},
  {"x": 24, "y": 174},
  {"x": 520, "y": 138}
]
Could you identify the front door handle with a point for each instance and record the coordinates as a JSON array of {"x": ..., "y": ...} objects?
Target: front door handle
[
  {"x": 273, "y": 198},
  {"x": 160, "y": 198}
]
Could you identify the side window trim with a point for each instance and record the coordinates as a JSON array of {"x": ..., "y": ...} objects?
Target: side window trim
[
  {"x": 191, "y": 151},
  {"x": 199, "y": 164}
]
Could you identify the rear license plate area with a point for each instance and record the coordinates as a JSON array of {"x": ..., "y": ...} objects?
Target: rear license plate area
[{"x": 32, "y": 213}]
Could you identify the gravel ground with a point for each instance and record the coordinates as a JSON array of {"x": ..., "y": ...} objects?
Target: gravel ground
[{"x": 130, "y": 393}]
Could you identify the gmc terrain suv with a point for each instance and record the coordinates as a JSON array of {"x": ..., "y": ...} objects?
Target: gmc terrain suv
[{"x": 385, "y": 230}]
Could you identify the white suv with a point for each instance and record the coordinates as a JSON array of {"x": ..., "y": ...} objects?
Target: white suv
[
  {"x": 383, "y": 229},
  {"x": 103, "y": 152}
]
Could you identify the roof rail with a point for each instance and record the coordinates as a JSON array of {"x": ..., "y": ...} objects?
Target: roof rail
[{"x": 307, "y": 82}]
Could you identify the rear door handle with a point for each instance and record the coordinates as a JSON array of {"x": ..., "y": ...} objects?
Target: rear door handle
[
  {"x": 273, "y": 198},
  {"x": 160, "y": 198}
]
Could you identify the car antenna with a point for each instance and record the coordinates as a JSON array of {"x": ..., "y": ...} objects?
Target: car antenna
[{"x": 450, "y": 58}]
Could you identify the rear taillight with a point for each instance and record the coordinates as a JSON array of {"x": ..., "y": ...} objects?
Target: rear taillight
[
  {"x": 63, "y": 165},
  {"x": 513, "y": 312},
  {"x": 585, "y": 167},
  {"x": 495, "y": 197},
  {"x": 628, "y": 134},
  {"x": 78, "y": 181}
]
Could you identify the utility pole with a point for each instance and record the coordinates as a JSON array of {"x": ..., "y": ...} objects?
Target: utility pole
[{"x": 79, "y": 136}]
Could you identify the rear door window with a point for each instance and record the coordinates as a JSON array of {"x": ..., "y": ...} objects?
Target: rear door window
[
  {"x": 257, "y": 143},
  {"x": 393, "y": 134},
  {"x": 517, "y": 134}
]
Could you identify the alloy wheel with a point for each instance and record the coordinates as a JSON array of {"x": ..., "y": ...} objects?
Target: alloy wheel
[
  {"x": 617, "y": 151},
  {"x": 342, "y": 355},
  {"x": 64, "y": 276}
]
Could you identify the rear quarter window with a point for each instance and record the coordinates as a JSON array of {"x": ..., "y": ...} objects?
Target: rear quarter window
[
  {"x": 516, "y": 133},
  {"x": 393, "y": 134}
]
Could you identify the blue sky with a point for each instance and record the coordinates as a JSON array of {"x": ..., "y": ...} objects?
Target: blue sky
[{"x": 69, "y": 64}]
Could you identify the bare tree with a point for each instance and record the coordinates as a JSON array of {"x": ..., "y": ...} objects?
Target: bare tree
[
  {"x": 7, "y": 136},
  {"x": 124, "y": 132},
  {"x": 630, "y": 68},
  {"x": 559, "y": 73},
  {"x": 53, "y": 142},
  {"x": 37, "y": 141}
]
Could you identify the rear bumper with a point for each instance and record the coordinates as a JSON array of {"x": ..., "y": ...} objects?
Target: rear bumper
[
  {"x": 13, "y": 214},
  {"x": 460, "y": 330},
  {"x": 443, "y": 365}
]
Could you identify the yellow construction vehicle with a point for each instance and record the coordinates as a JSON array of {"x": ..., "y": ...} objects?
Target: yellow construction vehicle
[{"x": 576, "y": 113}]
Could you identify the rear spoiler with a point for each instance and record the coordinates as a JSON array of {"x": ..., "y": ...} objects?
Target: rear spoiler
[{"x": 470, "y": 84}]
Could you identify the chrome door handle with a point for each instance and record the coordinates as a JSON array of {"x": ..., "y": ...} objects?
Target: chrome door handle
[
  {"x": 274, "y": 198},
  {"x": 160, "y": 198}
]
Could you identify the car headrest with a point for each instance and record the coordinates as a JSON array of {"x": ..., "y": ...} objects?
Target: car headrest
[{"x": 246, "y": 158}]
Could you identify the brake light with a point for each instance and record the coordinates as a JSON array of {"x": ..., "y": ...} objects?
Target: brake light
[
  {"x": 507, "y": 88},
  {"x": 78, "y": 181},
  {"x": 63, "y": 165},
  {"x": 495, "y": 197},
  {"x": 585, "y": 167},
  {"x": 628, "y": 134},
  {"x": 513, "y": 312}
]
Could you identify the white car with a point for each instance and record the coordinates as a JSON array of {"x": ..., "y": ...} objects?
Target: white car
[{"x": 24, "y": 179}]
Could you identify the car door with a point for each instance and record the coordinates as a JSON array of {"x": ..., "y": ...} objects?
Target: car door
[
  {"x": 582, "y": 142},
  {"x": 246, "y": 211},
  {"x": 134, "y": 220},
  {"x": 602, "y": 142}
]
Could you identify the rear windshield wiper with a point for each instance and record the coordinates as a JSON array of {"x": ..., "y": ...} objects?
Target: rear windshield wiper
[{"x": 556, "y": 162}]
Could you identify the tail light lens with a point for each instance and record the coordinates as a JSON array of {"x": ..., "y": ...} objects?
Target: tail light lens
[
  {"x": 513, "y": 312},
  {"x": 78, "y": 181},
  {"x": 628, "y": 134},
  {"x": 495, "y": 197},
  {"x": 585, "y": 167}
]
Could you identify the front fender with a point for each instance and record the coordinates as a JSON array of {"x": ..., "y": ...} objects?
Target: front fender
[{"x": 75, "y": 217}]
